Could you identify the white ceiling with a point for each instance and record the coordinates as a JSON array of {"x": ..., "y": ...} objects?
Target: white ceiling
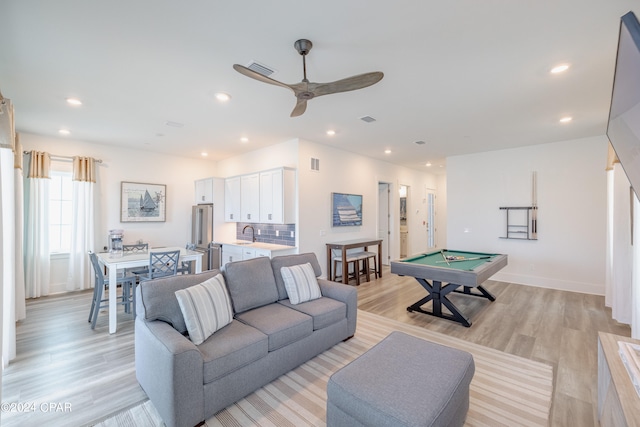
[{"x": 463, "y": 75}]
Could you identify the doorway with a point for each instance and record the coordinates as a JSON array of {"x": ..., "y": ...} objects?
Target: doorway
[
  {"x": 431, "y": 219},
  {"x": 384, "y": 219},
  {"x": 404, "y": 227}
]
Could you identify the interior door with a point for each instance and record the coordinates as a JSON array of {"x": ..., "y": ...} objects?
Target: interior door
[{"x": 384, "y": 219}]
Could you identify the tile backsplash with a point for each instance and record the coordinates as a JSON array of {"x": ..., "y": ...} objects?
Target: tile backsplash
[{"x": 279, "y": 234}]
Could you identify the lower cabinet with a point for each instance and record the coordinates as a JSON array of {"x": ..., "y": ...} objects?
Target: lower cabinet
[{"x": 231, "y": 253}]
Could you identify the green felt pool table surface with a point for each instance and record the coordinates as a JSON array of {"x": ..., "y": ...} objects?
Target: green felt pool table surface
[{"x": 436, "y": 259}]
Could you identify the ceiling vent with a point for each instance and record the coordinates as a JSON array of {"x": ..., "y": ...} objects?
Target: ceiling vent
[
  {"x": 260, "y": 68},
  {"x": 367, "y": 119}
]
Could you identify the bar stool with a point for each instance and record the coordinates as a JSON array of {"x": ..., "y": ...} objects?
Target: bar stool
[
  {"x": 351, "y": 259},
  {"x": 366, "y": 256}
]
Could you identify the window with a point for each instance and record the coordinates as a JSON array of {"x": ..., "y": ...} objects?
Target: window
[{"x": 60, "y": 212}]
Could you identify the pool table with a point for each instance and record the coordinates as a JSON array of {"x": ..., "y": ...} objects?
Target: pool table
[{"x": 454, "y": 268}]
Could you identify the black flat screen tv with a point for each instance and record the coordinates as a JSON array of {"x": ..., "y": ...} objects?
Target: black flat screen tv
[
  {"x": 623, "y": 128},
  {"x": 346, "y": 209}
]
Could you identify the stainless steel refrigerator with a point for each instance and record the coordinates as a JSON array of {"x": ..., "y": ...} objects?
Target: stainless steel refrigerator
[{"x": 202, "y": 236}]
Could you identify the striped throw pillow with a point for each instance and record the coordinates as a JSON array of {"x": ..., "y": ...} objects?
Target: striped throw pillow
[
  {"x": 206, "y": 308},
  {"x": 301, "y": 283}
]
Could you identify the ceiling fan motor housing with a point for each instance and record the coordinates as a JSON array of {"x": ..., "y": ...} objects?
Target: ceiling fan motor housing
[{"x": 303, "y": 46}]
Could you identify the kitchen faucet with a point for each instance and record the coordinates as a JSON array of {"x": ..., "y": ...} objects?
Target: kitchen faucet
[{"x": 253, "y": 232}]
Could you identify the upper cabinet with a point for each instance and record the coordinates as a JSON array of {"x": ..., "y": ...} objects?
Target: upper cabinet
[
  {"x": 264, "y": 197},
  {"x": 204, "y": 191},
  {"x": 250, "y": 198},
  {"x": 277, "y": 196},
  {"x": 232, "y": 199}
]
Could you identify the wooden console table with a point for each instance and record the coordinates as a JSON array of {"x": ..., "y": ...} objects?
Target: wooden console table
[
  {"x": 618, "y": 402},
  {"x": 352, "y": 244}
]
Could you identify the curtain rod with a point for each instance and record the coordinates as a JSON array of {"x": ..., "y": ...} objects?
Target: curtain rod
[{"x": 53, "y": 156}]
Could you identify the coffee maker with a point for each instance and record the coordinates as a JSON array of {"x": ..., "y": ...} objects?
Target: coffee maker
[{"x": 115, "y": 243}]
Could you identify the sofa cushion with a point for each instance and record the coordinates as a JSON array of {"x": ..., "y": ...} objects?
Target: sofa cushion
[
  {"x": 281, "y": 324},
  {"x": 287, "y": 261},
  {"x": 156, "y": 299},
  {"x": 232, "y": 347},
  {"x": 251, "y": 283},
  {"x": 300, "y": 283},
  {"x": 324, "y": 311},
  {"x": 205, "y": 307}
]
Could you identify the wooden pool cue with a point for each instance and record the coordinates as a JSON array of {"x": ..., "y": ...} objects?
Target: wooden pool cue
[
  {"x": 445, "y": 258},
  {"x": 466, "y": 259},
  {"x": 534, "y": 205}
]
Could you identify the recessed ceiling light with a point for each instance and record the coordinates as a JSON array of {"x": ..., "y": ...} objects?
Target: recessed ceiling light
[
  {"x": 74, "y": 101},
  {"x": 559, "y": 69},
  {"x": 204, "y": 154},
  {"x": 428, "y": 164},
  {"x": 64, "y": 131},
  {"x": 244, "y": 139},
  {"x": 387, "y": 151},
  {"x": 331, "y": 132},
  {"x": 419, "y": 142},
  {"x": 222, "y": 96},
  {"x": 566, "y": 119}
]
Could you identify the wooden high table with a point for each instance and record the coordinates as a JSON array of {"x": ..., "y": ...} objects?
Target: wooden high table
[{"x": 352, "y": 244}]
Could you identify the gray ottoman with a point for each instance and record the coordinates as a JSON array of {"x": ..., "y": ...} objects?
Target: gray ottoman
[{"x": 402, "y": 381}]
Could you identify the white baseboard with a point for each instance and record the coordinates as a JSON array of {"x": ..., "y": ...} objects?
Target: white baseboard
[{"x": 549, "y": 283}]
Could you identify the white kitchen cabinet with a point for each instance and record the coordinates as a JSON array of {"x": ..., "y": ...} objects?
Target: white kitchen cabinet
[
  {"x": 250, "y": 198},
  {"x": 204, "y": 191},
  {"x": 232, "y": 199},
  {"x": 231, "y": 253},
  {"x": 277, "y": 196},
  {"x": 248, "y": 253}
]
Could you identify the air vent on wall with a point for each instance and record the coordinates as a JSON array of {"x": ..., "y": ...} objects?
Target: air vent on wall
[
  {"x": 315, "y": 164},
  {"x": 260, "y": 68},
  {"x": 367, "y": 119}
]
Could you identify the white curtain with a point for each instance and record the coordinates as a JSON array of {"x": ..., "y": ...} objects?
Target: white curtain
[
  {"x": 618, "y": 293},
  {"x": 82, "y": 234},
  {"x": 36, "y": 226},
  {"x": 635, "y": 291},
  {"x": 11, "y": 286}
]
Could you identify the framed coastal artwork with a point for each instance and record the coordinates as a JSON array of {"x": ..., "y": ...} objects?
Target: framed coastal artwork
[
  {"x": 141, "y": 202},
  {"x": 346, "y": 209}
]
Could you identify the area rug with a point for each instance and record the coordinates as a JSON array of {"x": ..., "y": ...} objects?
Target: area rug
[{"x": 506, "y": 390}]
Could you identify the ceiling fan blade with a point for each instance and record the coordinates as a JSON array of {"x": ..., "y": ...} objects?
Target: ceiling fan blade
[
  {"x": 257, "y": 76},
  {"x": 300, "y": 108},
  {"x": 350, "y": 83}
]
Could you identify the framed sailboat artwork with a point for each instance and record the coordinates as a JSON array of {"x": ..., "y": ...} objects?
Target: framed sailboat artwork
[{"x": 141, "y": 202}]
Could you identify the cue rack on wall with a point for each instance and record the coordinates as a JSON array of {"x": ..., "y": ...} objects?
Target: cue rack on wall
[
  {"x": 525, "y": 224},
  {"x": 522, "y": 221}
]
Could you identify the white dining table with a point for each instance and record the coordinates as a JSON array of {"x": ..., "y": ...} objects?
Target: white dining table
[{"x": 137, "y": 259}]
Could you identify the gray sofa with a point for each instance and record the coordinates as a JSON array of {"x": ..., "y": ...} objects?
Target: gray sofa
[{"x": 267, "y": 337}]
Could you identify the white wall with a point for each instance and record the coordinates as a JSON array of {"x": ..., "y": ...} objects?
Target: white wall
[
  {"x": 121, "y": 164},
  {"x": 345, "y": 172},
  {"x": 340, "y": 171},
  {"x": 570, "y": 251}
]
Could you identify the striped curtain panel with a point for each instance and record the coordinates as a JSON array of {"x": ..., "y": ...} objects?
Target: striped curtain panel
[
  {"x": 82, "y": 235},
  {"x": 36, "y": 225},
  {"x": 19, "y": 229}
]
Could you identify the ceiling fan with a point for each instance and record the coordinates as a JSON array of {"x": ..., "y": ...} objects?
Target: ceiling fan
[{"x": 306, "y": 90}]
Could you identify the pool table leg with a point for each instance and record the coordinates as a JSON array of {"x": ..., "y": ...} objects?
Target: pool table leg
[
  {"x": 438, "y": 293},
  {"x": 483, "y": 292}
]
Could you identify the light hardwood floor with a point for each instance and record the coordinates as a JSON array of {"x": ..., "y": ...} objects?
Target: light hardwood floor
[
  {"x": 556, "y": 327},
  {"x": 60, "y": 359}
]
